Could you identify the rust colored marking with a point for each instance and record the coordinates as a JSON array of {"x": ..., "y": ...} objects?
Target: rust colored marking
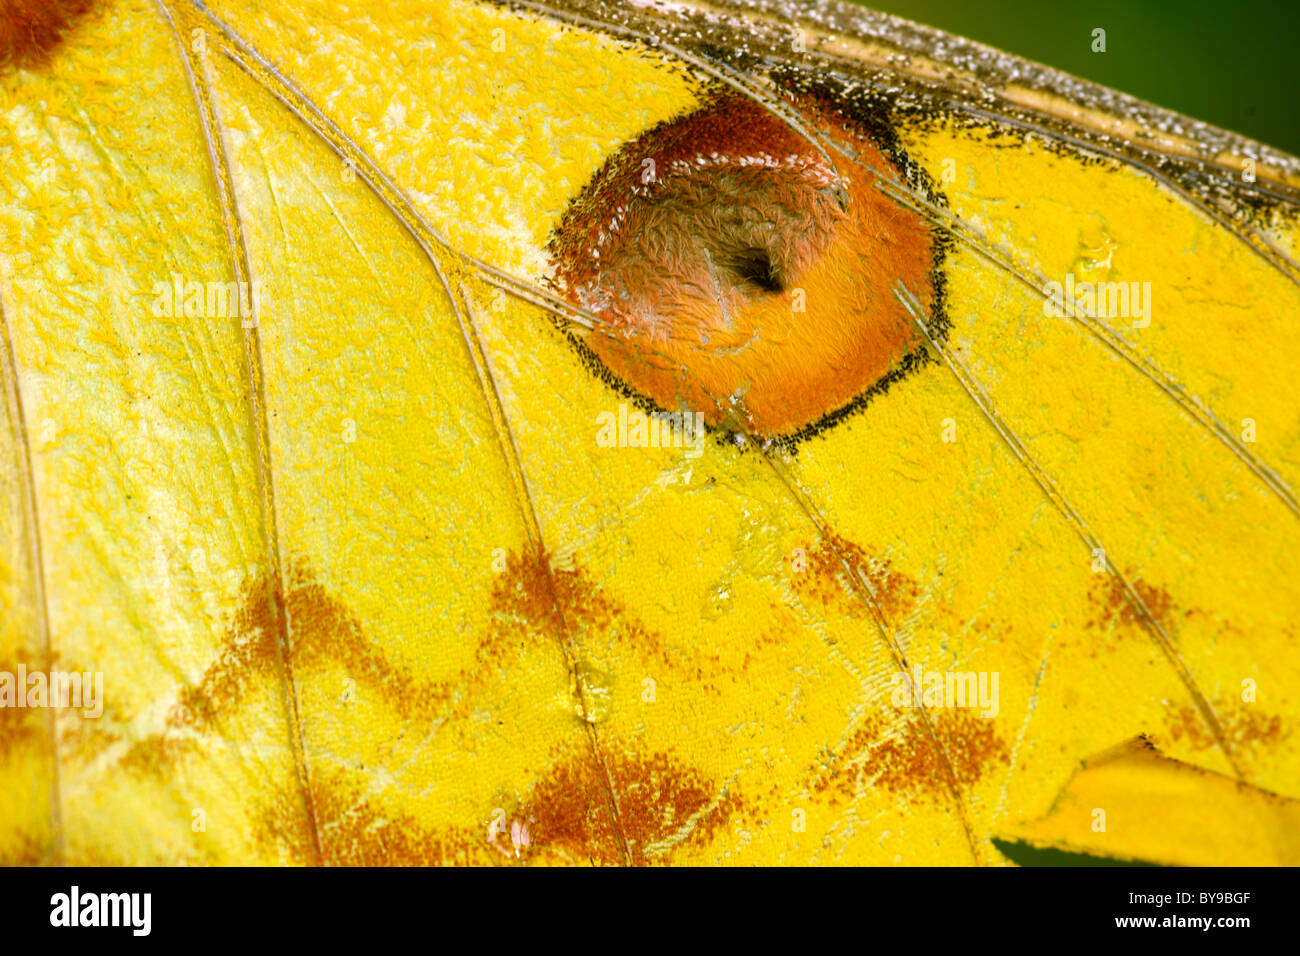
[
  {"x": 27, "y": 852},
  {"x": 529, "y": 590},
  {"x": 357, "y": 829},
  {"x": 18, "y": 727},
  {"x": 156, "y": 755},
  {"x": 31, "y": 30},
  {"x": 662, "y": 804},
  {"x": 907, "y": 763},
  {"x": 739, "y": 273},
  {"x": 538, "y": 597},
  {"x": 322, "y": 629},
  {"x": 826, "y": 580},
  {"x": 660, "y": 801},
  {"x": 1244, "y": 727},
  {"x": 529, "y": 600},
  {"x": 78, "y": 736},
  {"x": 249, "y": 652},
  {"x": 1114, "y": 608}
]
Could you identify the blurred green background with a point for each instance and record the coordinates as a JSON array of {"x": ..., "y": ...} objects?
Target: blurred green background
[{"x": 1233, "y": 65}]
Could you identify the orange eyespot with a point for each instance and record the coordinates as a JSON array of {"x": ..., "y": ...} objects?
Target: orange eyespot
[{"x": 739, "y": 272}]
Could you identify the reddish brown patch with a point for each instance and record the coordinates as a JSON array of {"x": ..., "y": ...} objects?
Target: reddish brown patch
[
  {"x": 18, "y": 725},
  {"x": 776, "y": 636},
  {"x": 661, "y": 801},
  {"x": 322, "y": 629},
  {"x": 81, "y": 738},
  {"x": 30, "y": 30},
  {"x": 827, "y": 580},
  {"x": 28, "y": 852},
  {"x": 156, "y": 754},
  {"x": 909, "y": 763},
  {"x": 355, "y": 829},
  {"x": 77, "y": 734},
  {"x": 540, "y": 599},
  {"x": 528, "y": 590},
  {"x": 251, "y": 650},
  {"x": 568, "y": 815},
  {"x": 1113, "y": 607},
  {"x": 534, "y": 600},
  {"x": 1244, "y": 727},
  {"x": 658, "y": 798}
]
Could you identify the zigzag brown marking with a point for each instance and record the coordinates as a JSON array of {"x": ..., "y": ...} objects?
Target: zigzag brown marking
[
  {"x": 658, "y": 795},
  {"x": 322, "y": 630},
  {"x": 538, "y": 597}
]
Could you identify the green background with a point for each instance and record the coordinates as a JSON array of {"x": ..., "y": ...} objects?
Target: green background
[{"x": 1235, "y": 65}]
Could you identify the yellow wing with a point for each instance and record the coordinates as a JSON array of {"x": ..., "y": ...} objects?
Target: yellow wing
[{"x": 307, "y": 449}]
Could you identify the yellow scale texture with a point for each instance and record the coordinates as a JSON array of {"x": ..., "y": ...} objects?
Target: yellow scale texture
[{"x": 364, "y": 588}]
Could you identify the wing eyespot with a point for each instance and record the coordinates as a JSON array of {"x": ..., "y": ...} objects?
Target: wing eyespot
[{"x": 741, "y": 272}]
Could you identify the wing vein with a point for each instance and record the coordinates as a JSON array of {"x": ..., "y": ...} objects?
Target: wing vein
[
  {"x": 865, "y": 592},
  {"x": 1058, "y": 500},
  {"x": 256, "y": 66},
  {"x": 31, "y": 522},
  {"x": 248, "y": 59},
  {"x": 510, "y": 449},
  {"x": 1144, "y": 365},
  {"x": 727, "y": 74},
  {"x": 200, "y": 87}
]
